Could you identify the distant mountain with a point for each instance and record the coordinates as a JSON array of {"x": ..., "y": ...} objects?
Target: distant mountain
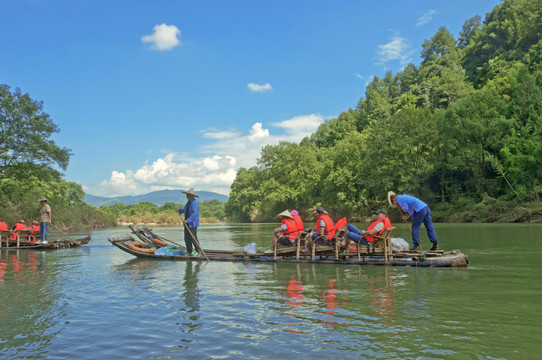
[{"x": 158, "y": 198}]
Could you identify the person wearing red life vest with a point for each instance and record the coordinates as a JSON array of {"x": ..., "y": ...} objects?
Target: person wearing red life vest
[
  {"x": 298, "y": 220},
  {"x": 364, "y": 237},
  {"x": 3, "y": 225},
  {"x": 19, "y": 226},
  {"x": 286, "y": 233},
  {"x": 324, "y": 229},
  {"x": 34, "y": 227}
]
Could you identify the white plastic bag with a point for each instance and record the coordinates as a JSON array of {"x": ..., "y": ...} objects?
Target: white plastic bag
[
  {"x": 250, "y": 249},
  {"x": 398, "y": 245}
]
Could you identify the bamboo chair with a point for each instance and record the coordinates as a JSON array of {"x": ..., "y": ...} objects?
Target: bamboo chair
[
  {"x": 380, "y": 246},
  {"x": 299, "y": 241},
  {"x": 332, "y": 244},
  {"x": 4, "y": 237}
]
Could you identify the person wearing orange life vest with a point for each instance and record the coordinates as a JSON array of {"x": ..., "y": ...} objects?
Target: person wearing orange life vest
[
  {"x": 286, "y": 233},
  {"x": 3, "y": 225},
  {"x": 298, "y": 220},
  {"x": 324, "y": 229},
  {"x": 19, "y": 226},
  {"x": 364, "y": 237},
  {"x": 34, "y": 227}
]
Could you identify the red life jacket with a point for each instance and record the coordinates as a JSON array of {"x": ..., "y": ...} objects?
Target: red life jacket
[
  {"x": 385, "y": 221},
  {"x": 3, "y": 225},
  {"x": 298, "y": 222},
  {"x": 18, "y": 226},
  {"x": 291, "y": 226},
  {"x": 330, "y": 227},
  {"x": 33, "y": 229}
]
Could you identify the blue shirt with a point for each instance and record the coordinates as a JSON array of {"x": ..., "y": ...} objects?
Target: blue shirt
[
  {"x": 191, "y": 213},
  {"x": 410, "y": 204}
]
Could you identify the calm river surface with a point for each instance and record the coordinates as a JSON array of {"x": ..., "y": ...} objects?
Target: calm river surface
[{"x": 97, "y": 302}]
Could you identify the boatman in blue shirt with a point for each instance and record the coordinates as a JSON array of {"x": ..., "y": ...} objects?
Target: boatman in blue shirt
[
  {"x": 191, "y": 222},
  {"x": 420, "y": 213}
]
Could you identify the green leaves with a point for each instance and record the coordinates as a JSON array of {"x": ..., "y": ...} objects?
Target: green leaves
[{"x": 26, "y": 132}]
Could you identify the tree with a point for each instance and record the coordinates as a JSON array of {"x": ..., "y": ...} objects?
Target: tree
[{"x": 26, "y": 132}]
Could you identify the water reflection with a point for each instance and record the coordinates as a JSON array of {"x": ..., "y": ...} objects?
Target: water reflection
[{"x": 26, "y": 301}]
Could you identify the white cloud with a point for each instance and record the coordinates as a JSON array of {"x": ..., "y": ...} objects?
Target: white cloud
[
  {"x": 427, "y": 17},
  {"x": 164, "y": 37},
  {"x": 258, "y": 133},
  {"x": 215, "y": 165},
  {"x": 300, "y": 126},
  {"x": 259, "y": 88},
  {"x": 217, "y": 172},
  {"x": 397, "y": 49}
]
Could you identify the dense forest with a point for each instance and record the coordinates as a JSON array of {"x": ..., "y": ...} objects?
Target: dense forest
[{"x": 462, "y": 131}]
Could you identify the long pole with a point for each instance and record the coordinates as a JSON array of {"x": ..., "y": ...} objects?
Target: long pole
[
  {"x": 56, "y": 227},
  {"x": 195, "y": 240}
]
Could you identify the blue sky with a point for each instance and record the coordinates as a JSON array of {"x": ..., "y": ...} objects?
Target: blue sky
[{"x": 171, "y": 94}]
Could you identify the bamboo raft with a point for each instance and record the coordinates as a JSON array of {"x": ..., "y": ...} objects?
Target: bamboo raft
[
  {"x": 323, "y": 254},
  {"x": 21, "y": 242}
]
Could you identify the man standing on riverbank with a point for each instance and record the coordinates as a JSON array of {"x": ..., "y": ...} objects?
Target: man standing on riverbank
[
  {"x": 191, "y": 222},
  {"x": 45, "y": 220},
  {"x": 420, "y": 212}
]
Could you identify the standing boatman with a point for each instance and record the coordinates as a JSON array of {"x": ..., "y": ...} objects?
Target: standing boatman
[
  {"x": 420, "y": 213},
  {"x": 191, "y": 222},
  {"x": 45, "y": 220}
]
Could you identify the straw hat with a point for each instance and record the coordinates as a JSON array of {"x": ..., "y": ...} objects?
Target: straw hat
[
  {"x": 35, "y": 222},
  {"x": 43, "y": 199},
  {"x": 390, "y": 193},
  {"x": 21, "y": 221},
  {"x": 285, "y": 213},
  {"x": 190, "y": 192}
]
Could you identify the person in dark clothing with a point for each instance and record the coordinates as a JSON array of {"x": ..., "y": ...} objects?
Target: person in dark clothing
[{"x": 191, "y": 222}]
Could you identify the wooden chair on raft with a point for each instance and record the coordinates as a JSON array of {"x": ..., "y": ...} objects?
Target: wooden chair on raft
[
  {"x": 379, "y": 247},
  {"x": 23, "y": 237},
  {"x": 331, "y": 246},
  {"x": 299, "y": 243}
]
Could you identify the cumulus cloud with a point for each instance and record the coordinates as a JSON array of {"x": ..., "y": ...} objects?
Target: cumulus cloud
[
  {"x": 259, "y": 88},
  {"x": 214, "y": 166},
  {"x": 214, "y": 172},
  {"x": 164, "y": 37},
  {"x": 397, "y": 49},
  {"x": 427, "y": 17}
]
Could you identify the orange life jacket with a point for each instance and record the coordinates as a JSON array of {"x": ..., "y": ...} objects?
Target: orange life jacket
[
  {"x": 385, "y": 221},
  {"x": 3, "y": 225},
  {"x": 298, "y": 222},
  {"x": 291, "y": 228},
  {"x": 33, "y": 229},
  {"x": 18, "y": 226},
  {"x": 329, "y": 231}
]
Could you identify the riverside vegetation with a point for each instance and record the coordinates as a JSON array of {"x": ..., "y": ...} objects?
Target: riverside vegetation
[{"x": 462, "y": 131}]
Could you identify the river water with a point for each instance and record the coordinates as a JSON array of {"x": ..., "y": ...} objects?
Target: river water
[{"x": 97, "y": 302}]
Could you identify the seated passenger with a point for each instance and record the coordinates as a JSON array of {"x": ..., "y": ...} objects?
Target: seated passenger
[
  {"x": 3, "y": 225},
  {"x": 19, "y": 226},
  {"x": 287, "y": 232},
  {"x": 34, "y": 227},
  {"x": 324, "y": 229},
  {"x": 298, "y": 220},
  {"x": 364, "y": 236}
]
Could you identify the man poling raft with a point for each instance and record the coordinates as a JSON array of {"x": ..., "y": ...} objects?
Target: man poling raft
[{"x": 420, "y": 213}]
